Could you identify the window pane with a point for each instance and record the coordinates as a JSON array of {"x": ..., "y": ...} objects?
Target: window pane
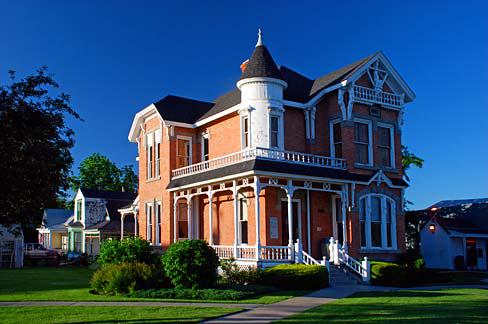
[
  {"x": 363, "y": 233},
  {"x": 384, "y": 137},
  {"x": 182, "y": 152},
  {"x": 362, "y": 153},
  {"x": 362, "y": 209},
  {"x": 376, "y": 234},
  {"x": 384, "y": 156},
  {"x": 340, "y": 233},
  {"x": 337, "y": 132},
  {"x": 244, "y": 236},
  {"x": 205, "y": 149},
  {"x": 375, "y": 209},
  {"x": 388, "y": 211},
  {"x": 362, "y": 135},
  {"x": 274, "y": 124}
]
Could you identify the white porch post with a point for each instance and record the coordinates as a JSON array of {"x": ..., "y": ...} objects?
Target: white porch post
[
  {"x": 210, "y": 216},
  {"x": 309, "y": 244},
  {"x": 257, "y": 190},
  {"x": 344, "y": 218},
  {"x": 135, "y": 222},
  {"x": 190, "y": 218},
  {"x": 175, "y": 219},
  {"x": 289, "y": 195},
  {"x": 122, "y": 216},
  {"x": 236, "y": 215}
]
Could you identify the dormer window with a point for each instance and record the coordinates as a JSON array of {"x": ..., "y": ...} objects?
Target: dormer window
[{"x": 78, "y": 210}]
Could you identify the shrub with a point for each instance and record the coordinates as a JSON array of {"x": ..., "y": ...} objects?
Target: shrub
[
  {"x": 389, "y": 274},
  {"x": 193, "y": 294},
  {"x": 233, "y": 275},
  {"x": 419, "y": 264},
  {"x": 297, "y": 276},
  {"x": 123, "y": 278},
  {"x": 130, "y": 249},
  {"x": 191, "y": 264}
]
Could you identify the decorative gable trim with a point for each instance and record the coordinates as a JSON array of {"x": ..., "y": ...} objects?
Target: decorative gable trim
[{"x": 380, "y": 177}]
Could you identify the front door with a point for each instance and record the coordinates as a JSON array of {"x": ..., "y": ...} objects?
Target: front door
[{"x": 284, "y": 222}]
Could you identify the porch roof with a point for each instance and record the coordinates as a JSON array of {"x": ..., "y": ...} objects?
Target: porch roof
[{"x": 256, "y": 165}]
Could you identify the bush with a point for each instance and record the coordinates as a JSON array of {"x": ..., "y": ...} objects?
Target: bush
[
  {"x": 233, "y": 275},
  {"x": 123, "y": 278},
  {"x": 130, "y": 249},
  {"x": 193, "y": 294},
  {"x": 419, "y": 264},
  {"x": 297, "y": 276},
  {"x": 191, "y": 264},
  {"x": 389, "y": 274}
]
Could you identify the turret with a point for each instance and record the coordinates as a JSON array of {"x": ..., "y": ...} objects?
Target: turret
[{"x": 262, "y": 112}]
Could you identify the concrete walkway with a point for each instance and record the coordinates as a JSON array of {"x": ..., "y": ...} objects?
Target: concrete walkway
[{"x": 272, "y": 312}]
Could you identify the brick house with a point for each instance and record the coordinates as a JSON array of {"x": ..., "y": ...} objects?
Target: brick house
[{"x": 323, "y": 157}]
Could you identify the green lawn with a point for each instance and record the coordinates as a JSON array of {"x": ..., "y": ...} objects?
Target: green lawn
[
  {"x": 72, "y": 284},
  {"x": 99, "y": 314},
  {"x": 409, "y": 306}
]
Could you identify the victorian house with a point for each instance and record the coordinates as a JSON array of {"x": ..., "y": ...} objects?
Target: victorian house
[{"x": 272, "y": 170}]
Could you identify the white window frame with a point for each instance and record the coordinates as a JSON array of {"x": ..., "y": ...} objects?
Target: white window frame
[
  {"x": 158, "y": 210},
  {"x": 392, "y": 142},
  {"x": 158, "y": 138},
  {"x": 278, "y": 131},
  {"x": 149, "y": 220},
  {"x": 367, "y": 211},
  {"x": 245, "y": 136},
  {"x": 331, "y": 137},
  {"x": 242, "y": 199},
  {"x": 149, "y": 156},
  {"x": 205, "y": 137},
  {"x": 370, "y": 138},
  {"x": 189, "y": 139}
]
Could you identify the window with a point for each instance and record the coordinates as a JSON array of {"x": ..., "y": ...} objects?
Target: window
[
  {"x": 274, "y": 131},
  {"x": 363, "y": 142},
  {"x": 183, "y": 152},
  {"x": 149, "y": 150},
  {"x": 205, "y": 155},
  {"x": 243, "y": 221},
  {"x": 182, "y": 221},
  {"x": 157, "y": 214},
  {"x": 336, "y": 142},
  {"x": 149, "y": 222},
  {"x": 385, "y": 146},
  {"x": 338, "y": 219},
  {"x": 377, "y": 220},
  {"x": 78, "y": 210},
  {"x": 245, "y": 132},
  {"x": 158, "y": 152}
]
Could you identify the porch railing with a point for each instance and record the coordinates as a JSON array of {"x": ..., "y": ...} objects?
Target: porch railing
[
  {"x": 246, "y": 252},
  {"x": 379, "y": 97},
  {"x": 275, "y": 253},
  {"x": 261, "y": 153}
]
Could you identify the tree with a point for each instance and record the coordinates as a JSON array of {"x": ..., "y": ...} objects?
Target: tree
[
  {"x": 35, "y": 143},
  {"x": 98, "y": 172},
  {"x": 410, "y": 159}
]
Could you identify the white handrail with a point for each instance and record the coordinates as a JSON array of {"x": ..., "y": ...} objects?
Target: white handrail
[
  {"x": 361, "y": 268},
  {"x": 308, "y": 259},
  {"x": 261, "y": 153}
]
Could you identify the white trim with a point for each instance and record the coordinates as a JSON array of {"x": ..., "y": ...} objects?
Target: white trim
[
  {"x": 179, "y": 124},
  {"x": 282, "y": 83},
  {"x": 383, "y": 198},
  {"x": 217, "y": 116},
  {"x": 392, "y": 142},
  {"x": 370, "y": 137}
]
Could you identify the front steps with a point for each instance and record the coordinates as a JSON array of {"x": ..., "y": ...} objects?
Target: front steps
[{"x": 340, "y": 276}]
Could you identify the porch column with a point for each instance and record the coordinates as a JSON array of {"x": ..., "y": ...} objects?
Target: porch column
[
  {"x": 289, "y": 195},
  {"x": 190, "y": 218},
  {"x": 309, "y": 245},
  {"x": 236, "y": 217},
  {"x": 210, "y": 217},
  {"x": 257, "y": 190},
  {"x": 344, "y": 218},
  {"x": 122, "y": 216},
  {"x": 135, "y": 223},
  {"x": 175, "y": 220}
]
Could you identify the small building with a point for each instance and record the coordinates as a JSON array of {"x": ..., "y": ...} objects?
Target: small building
[
  {"x": 456, "y": 235},
  {"x": 95, "y": 219},
  {"x": 11, "y": 247},
  {"x": 53, "y": 233}
]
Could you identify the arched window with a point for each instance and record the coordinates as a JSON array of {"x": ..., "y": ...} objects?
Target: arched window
[{"x": 378, "y": 222}]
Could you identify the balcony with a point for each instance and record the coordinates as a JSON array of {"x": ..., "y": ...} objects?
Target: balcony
[
  {"x": 371, "y": 96},
  {"x": 261, "y": 153}
]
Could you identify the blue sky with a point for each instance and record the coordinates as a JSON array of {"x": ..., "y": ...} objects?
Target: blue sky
[{"x": 116, "y": 57}]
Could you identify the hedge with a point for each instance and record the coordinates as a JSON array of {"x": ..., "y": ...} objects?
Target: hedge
[
  {"x": 130, "y": 249},
  {"x": 296, "y": 276},
  {"x": 389, "y": 274},
  {"x": 193, "y": 294}
]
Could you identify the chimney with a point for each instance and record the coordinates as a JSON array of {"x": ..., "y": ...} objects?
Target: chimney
[{"x": 244, "y": 65}]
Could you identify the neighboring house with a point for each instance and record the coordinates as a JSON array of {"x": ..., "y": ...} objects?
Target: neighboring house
[
  {"x": 95, "y": 219},
  {"x": 456, "y": 229},
  {"x": 53, "y": 233},
  {"x": 11, "y": 247},
  {"x": 323, "y": 156}
]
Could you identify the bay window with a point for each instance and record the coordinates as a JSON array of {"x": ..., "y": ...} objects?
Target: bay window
[
  {"x": 362, "y": 141},
  {"x": 377, "y": 221}
]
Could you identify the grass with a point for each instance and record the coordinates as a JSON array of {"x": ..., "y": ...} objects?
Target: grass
[
  {"x": 408, "y": 306},
  {"x": 72, "y": 284},
  {"x": 99, "y": 314}
]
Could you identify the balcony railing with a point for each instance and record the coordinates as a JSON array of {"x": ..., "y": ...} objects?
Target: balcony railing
[
  {"x": 261, "y": 153},
  {"x": 379, "y": 97}
]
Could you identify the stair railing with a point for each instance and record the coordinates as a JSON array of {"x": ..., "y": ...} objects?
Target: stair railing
[{"x": 338, "y": 255}]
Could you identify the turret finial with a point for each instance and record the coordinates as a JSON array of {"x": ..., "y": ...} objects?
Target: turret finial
[{"x": 260, "y": 38}]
